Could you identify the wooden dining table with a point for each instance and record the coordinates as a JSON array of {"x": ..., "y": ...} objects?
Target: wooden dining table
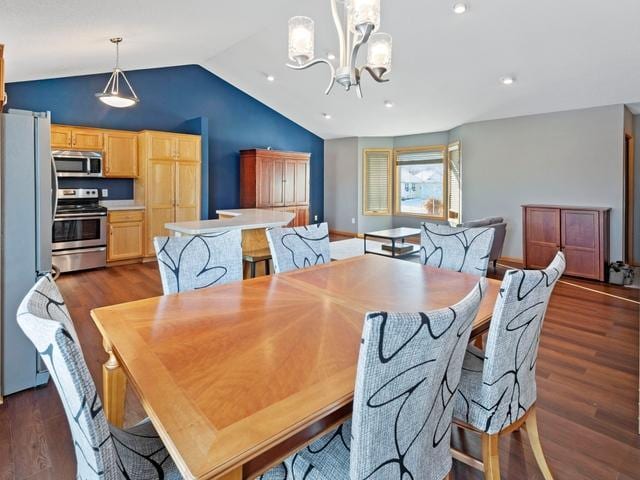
[{"x": 237, "y": 377}]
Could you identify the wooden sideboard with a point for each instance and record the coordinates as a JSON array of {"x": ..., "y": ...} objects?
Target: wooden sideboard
[
  {"x": 2, "y": 91},
  {"x": 581, "y": 233},
  {"x": 277, "y": 180}
]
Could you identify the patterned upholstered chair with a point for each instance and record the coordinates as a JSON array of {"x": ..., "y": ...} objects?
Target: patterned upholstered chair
[
  {"x": 408, "y": 371},
  {"x": 102, "y": 451},
  {"x": 456, "y": 248},
  {"x": 200, "y": 261},
  {"x": 299, "y": 247},
  {"x": 497, "y": 390}
]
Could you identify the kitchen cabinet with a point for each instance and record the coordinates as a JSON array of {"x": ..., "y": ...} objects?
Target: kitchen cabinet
[
  {"x": 168, "y": 182},
  {"x": 87, "y": 138},
  {"x": 60, "y": 137},
  {"x": 3, "y": 94},
  {"x": 126, "y": 235},
  {"x": 581, "y": 233},
  {"x": 274, "y": 179},
  {"x": 120, "y": 154}
]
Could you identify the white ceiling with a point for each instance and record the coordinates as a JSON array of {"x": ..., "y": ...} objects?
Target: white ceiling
[{"x": 565, "y": 54}]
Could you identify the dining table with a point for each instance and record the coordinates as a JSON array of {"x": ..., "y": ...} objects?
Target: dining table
[{"x": 237, "y": 377}]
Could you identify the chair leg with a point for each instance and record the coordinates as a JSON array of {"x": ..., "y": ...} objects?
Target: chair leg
[
  {"x": 531, "y": 427},
  {"x": 448, "y": 477},
  {"x": 478, "y": 342},
  {"x": 490, "y": 456}
]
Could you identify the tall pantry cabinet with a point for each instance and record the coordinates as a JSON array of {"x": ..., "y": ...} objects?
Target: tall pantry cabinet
[{"x": 169, "y": 181}]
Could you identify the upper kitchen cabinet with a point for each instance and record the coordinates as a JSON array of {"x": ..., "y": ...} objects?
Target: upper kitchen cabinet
[
  {"x": 76, "y": 138},
  {"x": 173, "y": 146},
  {"x": 120, "y": 154},
  {"x": 60, "y": 137}
]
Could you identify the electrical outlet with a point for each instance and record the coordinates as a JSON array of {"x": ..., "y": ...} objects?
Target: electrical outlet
[
  {"x": 315, "y": 218},
  {"x": 105, "y": 192},
  {"x": 353, "y": 220}
]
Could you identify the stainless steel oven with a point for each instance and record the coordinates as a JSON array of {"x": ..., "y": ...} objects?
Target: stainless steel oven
[
  {"x": 79, "y": 231},
  {"x": 70, "y": 163}
]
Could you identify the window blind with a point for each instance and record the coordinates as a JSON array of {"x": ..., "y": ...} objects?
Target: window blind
[
  {"x": 455, "y": 183},
  {"x": 428, "y": 156},
  {"x": 377, "y": 182}
]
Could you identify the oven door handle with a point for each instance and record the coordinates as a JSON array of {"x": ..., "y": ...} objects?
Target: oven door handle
[{"x": 72, "y": 216}]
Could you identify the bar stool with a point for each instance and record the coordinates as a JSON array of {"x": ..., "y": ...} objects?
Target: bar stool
[{"x": 253, "y": 257}]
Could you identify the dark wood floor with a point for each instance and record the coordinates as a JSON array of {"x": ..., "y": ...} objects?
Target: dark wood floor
[{"x": 587, "y": 385}]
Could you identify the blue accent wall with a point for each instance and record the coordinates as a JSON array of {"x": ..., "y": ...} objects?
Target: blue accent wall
[
  {"x": 186, "y": 99},
  {"x": 119, "y": 188}
]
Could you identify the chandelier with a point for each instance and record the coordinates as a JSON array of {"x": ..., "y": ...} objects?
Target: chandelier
[
  {"x": 111, "y": 95},
  {"x": 362, "y": 20}
]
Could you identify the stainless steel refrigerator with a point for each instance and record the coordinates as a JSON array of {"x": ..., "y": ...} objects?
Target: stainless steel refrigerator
[{"x": 28, "y": 190}]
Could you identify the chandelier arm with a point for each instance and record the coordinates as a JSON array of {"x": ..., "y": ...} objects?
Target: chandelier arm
[
  {"x": 106, "y": 87},
  {"x": 312, "y": 63},
  {"x": 338, "y": 23},
  {"x": 363, "y": 38},
  {"x": 374, "y": 75},
  {"x": 129, "y": 85}
]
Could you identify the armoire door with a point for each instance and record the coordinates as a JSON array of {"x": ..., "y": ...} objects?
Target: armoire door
[
  {"x": 277, "y": 183},
  {"x": 581, "y": 243},
  {"x": 264, "y": 182},
  {"x": 542, "y": 236},
  {"x": 161, "y": 206},
  {"x": 187, "y": 191},
  {"x": 301, "y": 183},
  {"x": 289, "y": 182}
]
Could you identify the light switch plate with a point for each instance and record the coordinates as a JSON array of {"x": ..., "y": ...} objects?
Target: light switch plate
[
  {"x": 353, "y": 220},
  {"x": 315, "y": 218},
  {"x": 105, "y": 192}
]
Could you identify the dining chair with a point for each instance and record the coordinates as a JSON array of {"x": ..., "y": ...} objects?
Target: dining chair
[
  {"x": 199, "y": 261},
  {"x": 293, "y": 248},
  {"x": 460, "y": 249},
  {"x": 102, "y": 450},
  {"x": 497, "y": 391},
  {"x": 408, "y": 371}
]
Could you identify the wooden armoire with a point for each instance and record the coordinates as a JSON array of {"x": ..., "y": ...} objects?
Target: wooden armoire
[
  {"x": 276, "y": 180},
  {"x": 581, "y": 233}
]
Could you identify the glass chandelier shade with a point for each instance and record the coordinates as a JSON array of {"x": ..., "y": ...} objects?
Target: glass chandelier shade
[
  {"x": 363, "y": 12},
  {"x": 301, "y": 39},
  {"x": 379, "y": 54},
  {"x": 112, "y": 94}
]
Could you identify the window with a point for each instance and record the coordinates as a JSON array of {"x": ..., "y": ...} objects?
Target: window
[
  {"x": 421, "y": 180},
  {"x": 455, "y": 183},
  {"x": 377, "y": 184}
]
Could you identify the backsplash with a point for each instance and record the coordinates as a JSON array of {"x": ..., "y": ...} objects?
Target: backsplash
[{"x": 119, "y": 188}]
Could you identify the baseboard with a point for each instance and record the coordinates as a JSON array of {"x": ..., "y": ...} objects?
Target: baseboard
[
  {"x": 117, "y": 263},
  {"x": 516, "y": 260},
  {"x": 343, "y": 234}
]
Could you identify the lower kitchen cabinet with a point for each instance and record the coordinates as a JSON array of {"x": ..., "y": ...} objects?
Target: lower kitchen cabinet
[
  {"x": 126, "y": 235},
  {"x": 301, "y": 215}
]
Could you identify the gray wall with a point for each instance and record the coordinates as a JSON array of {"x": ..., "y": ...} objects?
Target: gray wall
[
  {"x": 565, "y": 158},
  {"x": 340, "y": 180}
]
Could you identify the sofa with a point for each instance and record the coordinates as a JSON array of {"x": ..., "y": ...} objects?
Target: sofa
[{"x": 500, "y": 227}]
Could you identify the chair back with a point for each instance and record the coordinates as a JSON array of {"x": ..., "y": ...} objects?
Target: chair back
[
  {"x": 407, "y": 375},
  {"x": 45, "y": 320},
  {"x": 299, "y": 247},
  {"x": 200, "y": 261},
  {"x": 460, "y": 249},
  {"x": 509, "y": 372}
]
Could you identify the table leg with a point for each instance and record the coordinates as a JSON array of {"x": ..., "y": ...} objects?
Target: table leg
[
  {"x": 365, "y": 243},
  {"x": 114, "y": 387},
  {"x": 393, "y": 247},
  {"x": 253, "y": 269},
  {"x": 267, "y": 268}
]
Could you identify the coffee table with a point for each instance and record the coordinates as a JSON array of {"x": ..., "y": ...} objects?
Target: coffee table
[{"x": 394, "y": 235}]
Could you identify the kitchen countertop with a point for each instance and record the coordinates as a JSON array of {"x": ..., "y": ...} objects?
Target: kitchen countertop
[
  {"x": 243, "y": 219},
  {"x": 114, "y": 205}
]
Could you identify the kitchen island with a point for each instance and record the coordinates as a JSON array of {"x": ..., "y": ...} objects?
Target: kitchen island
[{"x": 252, "y": 222}]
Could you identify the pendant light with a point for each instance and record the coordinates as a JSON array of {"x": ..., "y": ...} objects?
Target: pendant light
[{"x": 111, "y": 95}]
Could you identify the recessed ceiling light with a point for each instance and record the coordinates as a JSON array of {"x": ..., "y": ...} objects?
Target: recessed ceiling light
[
  {"x": 271, "y": 78},
  {"x": 460, "y": 8},
  {"x": 508, "y": 80},
  {"x": 331, "y": 56},
  {"x": 326, "y": 116},
  {"x": 388, "y": 104}
]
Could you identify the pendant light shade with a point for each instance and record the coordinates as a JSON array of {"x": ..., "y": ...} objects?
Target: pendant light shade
[{"x": 112, "y": 94}]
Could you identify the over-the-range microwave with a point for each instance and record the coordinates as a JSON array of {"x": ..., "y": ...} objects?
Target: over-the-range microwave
[{"x": 69, "y": 163}]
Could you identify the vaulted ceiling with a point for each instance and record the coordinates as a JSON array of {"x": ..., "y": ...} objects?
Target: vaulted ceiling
[{"x": 446, "y": 69}]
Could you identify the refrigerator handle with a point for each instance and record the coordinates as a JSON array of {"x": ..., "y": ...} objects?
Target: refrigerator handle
[{"x": 54, "y": 188}]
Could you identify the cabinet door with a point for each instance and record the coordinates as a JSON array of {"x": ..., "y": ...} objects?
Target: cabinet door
[
  {"x": 264, "y": 182},
  {"x": 161, "y": 199},
  {"x": 161, "y": 146},
  {"x": 187, "y": 148},
  {"x": 277, "y": 183},
  {"x": 581, "y": 243},
  {"x": 301, "y": 188},
  {"x": 60, "y": 136},
  {"x": 187, "y": 191},
  {"x": 121, "y": 154},
  {"x": 542, "y": 236},
  {"x": 289, "y": 182},
  {"x": 87, "y": 138},
  {"x": 125, "y": 241},
  {"x": 302, "y": 216}
]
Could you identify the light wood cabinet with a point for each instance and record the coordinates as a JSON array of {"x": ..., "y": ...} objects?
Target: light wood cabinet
[
  {"x": 120, "y": 154},
  {"x": 87, "y": 138},
  {"x": 3, "y": 94},
  {"x": 60, "y": 136},
  {"x": 126, "y": 235},
  {"x": 274, "y": 179},
  {"x": 169, "y": 181},
  {"x": 581, "y": 233}
]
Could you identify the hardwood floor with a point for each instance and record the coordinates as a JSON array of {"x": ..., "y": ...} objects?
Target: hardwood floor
[{"x": 587, "y": 387}]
